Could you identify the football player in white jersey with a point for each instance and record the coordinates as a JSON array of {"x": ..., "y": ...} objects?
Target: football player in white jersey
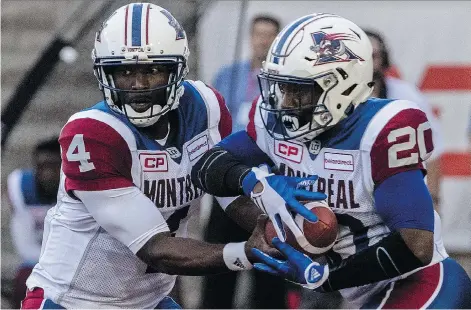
[
  {"x": 314, "y": 118},
  {"x": 31, "y": 193},
  {"x": 116, "y": 237}
]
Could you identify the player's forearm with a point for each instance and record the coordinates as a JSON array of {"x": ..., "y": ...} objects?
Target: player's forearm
[
  {"x": 244, "y": 212},
  {"x": 183, "y": 256},
  {"x": 219, "y": 173},
  {"x": 389, "y": 258},
  {"x": 433, "y": 181}
]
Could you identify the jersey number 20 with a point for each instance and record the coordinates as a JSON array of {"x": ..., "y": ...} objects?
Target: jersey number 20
[
  {"x": 77, "y": 152},
  {"x": 415, "y": 137}
]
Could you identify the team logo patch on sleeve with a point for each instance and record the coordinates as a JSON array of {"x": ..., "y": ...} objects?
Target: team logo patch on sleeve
[
  {"x": 315, "y": 147},
  {"x": 338, "y": 161},
  {"x": 198, "y": 147},
  {"x": 154, "y": 162}
]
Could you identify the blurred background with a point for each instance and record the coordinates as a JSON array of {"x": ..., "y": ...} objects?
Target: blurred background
[{"x": 46, "y": 76}]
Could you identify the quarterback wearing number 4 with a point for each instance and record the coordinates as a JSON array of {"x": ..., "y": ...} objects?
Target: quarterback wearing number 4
[
  {"x": 314, "y": 118},
  {"x": 116, "y": 238}
]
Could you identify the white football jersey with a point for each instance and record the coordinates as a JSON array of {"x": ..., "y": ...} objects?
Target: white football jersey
[
  {"x": 380, "y": 138},
  {"x": 29, "y": 211},
  {"x": 81, "y": 264}
]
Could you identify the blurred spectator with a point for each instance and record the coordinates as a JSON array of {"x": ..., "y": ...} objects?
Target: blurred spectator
[
  {"x": 388, "y": 85},
  {"x": 238, "y": 84},
  {"x": 31, "y": 193}
]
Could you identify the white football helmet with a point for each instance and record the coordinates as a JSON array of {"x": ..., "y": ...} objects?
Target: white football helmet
[
  {"x": 141, "y": 34},
  {"x": 318, "y": 70}
]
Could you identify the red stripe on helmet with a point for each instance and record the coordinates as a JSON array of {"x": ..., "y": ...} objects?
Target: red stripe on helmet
[
  {"x": 126, "y": 25},
  {"x": 147, "y": 24}
]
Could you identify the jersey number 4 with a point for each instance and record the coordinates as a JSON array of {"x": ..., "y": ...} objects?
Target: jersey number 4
[
  {"x": 414, "y": 137},
  {"x": 77, "y": 152}
]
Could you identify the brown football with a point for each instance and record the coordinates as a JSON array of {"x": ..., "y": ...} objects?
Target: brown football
[{"x": 320, "y": 235}]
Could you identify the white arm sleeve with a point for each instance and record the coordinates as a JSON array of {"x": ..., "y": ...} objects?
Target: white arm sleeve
[{"x": 126, "y": 214}]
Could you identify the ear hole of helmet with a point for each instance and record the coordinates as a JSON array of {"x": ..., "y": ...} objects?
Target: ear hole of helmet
[
  {"x": 342, "y": 73},
  {"x": 349, "y": 90}
]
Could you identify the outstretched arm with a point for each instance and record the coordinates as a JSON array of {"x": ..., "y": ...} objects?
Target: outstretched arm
[
  {"x": 130, "y": 217},
  {"x": 184, "y": 256}
]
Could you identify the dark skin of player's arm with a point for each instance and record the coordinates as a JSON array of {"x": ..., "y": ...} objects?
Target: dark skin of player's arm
[
  {"x": 184, "y": 256},
  {"x": 244, "y": 213},
  {"x": 433, "y": 181},
  {"x": 420, "y": 242}
]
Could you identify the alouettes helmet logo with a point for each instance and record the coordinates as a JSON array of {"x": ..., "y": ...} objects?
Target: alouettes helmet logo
[{"x": 331, "y": 48}]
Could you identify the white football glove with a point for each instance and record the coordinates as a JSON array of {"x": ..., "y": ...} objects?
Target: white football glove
[{"x": 279, "y": 195}]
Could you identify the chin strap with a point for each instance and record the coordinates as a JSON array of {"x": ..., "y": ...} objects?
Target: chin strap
[
  {"x": 164, "y": 139},
  {"x": 141, "y": 119}
]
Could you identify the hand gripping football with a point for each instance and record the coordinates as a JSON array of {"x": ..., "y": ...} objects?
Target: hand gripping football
[{"x": 321, "y": 235}]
